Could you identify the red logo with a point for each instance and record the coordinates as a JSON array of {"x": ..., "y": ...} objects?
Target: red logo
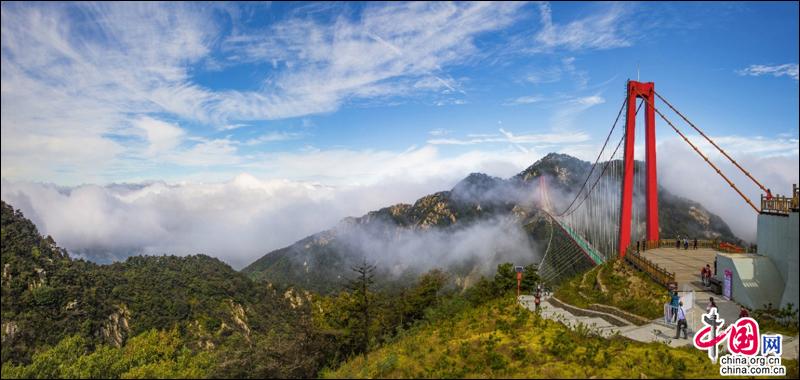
[{"x": 742, "y": 336}]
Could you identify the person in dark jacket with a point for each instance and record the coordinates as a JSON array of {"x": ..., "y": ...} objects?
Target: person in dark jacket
[{"x": 681, "y": 322}]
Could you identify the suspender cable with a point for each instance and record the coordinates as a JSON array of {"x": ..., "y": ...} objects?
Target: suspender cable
[
  {"x": 705, "y": 158},
  {"x": 715, "y": 145},
  {"x": 605, "y": 167},
  {"x": 598, "y": 157}
]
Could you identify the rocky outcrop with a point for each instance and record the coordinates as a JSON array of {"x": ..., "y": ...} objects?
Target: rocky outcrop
[
  {"x": 239, "y": 317},
  {"x": 9, "y": 331},
  {"x": 116, "y": 329}
]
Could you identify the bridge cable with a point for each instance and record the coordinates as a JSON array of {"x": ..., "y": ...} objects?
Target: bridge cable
[
  {"x": 598, "y": 157},
  {"x": 715, "y": 145},
  {"x": 704, "y": 156},
  {"x": 605, "y": 166}
]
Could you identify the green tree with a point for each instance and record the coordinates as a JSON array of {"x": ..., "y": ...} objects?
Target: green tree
[{"x": 360, "y": 286}]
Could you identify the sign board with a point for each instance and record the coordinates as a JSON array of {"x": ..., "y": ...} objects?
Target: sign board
[
  {"x": 519, "y": 269},
  {"x": 726, "y": 285}
]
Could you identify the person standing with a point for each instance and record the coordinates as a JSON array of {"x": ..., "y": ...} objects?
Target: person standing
[
  {"x": 681, "y": 322},
  {"x": 537, "y": 299},
  {"x": 695, "y": 244},
  {"x": 703, "y": 275},
  {"x": 673, "y": 306},
  {"x": 715, "y": 267},
  {"x": 678, "y": 242},
  {"x": 711, "y": 304},
  {"x": 685, "y": 243},
  {"x": 743, "y": 313}
]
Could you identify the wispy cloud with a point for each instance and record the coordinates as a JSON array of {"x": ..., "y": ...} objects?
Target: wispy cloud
[
  {"x": 530, "y": 99},
  {"x": 789, "y": 69},
  {"x": 229, "y": 127},
  {"x": 161, "y": 136},
  {"x": 273, "y": 137},
  {"x": 568, "y": 110},
  {"x": 394, "y": 49},
  {"x": 598, "y": 31},
  {"x": 439, "y": 132},
  {"x": 83, "y": 78},
  {"x": 505, "y": 136}
]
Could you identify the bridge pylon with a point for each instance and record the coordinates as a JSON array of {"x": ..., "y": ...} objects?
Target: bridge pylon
[{"x": 647, "y": 91}]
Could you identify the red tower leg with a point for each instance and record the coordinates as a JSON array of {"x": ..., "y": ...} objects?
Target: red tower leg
[
  {"x": 650, "y": 159},
  {"x": 636, "y": 90}
]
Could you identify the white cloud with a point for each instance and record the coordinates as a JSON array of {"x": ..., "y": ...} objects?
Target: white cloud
[
  {"x": 685, "y": 173},
  {"x": 273, "y": 137},
  {"x": 392, "y": 49},
  {"x": 788, "y": 69},
  {"x": 89, "y": 72},
  {"x": 214, "y": 152},
  {"x": 439, "y": 132},
  {"x": 568, "y": 110},
  {"x": 589, "y": 101},
  {"x": 161, "y": 136},
  {"x": 505, "y": 136},
  {"x": 254, "y": 215},
  {"x": 530, "y": 99},
  {"x": 228, "y": 127},
  {"x": 598, "y": 31}
]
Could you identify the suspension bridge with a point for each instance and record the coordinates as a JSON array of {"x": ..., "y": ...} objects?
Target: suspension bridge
[{"x": 617, "y": 203}]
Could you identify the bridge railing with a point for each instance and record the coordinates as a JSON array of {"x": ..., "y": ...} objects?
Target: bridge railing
[
  {"x": 718, "y": 245},
  {"x": 780, "y": 204},
  {"x": 655, "y": 271}
]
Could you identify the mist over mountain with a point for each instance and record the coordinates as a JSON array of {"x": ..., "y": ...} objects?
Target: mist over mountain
[{"x": 468, "y": 230}]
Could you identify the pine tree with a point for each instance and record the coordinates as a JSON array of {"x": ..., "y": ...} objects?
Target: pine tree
[{"x": 361, "y": 286}]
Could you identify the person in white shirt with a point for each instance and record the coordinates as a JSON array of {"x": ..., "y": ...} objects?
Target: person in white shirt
[{"x": 681, "y": 322}]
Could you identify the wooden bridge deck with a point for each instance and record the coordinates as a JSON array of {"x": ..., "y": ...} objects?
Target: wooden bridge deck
[{"x": 685, "y": 264}]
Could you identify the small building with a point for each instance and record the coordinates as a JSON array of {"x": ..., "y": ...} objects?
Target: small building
[{"x": 770, "y": 276}]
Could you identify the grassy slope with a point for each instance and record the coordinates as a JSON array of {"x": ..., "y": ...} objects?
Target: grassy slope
[
  {"x": 501, "y": 340},
  {"x": 625, "y": 288}
]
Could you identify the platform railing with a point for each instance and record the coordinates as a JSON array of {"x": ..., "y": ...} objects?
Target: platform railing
[
  {"x": 780, "y": 204},
  {"x": 655, "y": 271}
]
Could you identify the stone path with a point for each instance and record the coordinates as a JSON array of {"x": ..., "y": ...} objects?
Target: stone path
[{"x": 656, "y": 331}]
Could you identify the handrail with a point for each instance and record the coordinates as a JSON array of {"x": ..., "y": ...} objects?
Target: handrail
[
  {"x": 655, "y": 271},
  {"x": 718, "y": 245},
  {"x": 779, "y": 204}
]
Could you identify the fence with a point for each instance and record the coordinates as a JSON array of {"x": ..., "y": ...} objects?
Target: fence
[
  {"x": 718, "y": 245},
  {"x": 655, "y": 271},
  {"x": 779, "y": 204}
]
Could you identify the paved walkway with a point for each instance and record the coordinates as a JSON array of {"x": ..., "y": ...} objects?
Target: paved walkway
[
  {"x": 648, "y": 333},
  {"x": 686, "y": 265},
  {"x": 656, "y": 331}
]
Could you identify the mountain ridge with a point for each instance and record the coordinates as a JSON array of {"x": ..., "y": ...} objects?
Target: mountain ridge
[{"x": 312, "y": 262}]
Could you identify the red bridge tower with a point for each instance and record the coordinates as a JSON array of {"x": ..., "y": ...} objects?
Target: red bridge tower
[{"x": 646, "y": 91}]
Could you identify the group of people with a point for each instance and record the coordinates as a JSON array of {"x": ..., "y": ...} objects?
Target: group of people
[
  {"x": 679, "y": 315},
  {"x": 685, "y": 243}
]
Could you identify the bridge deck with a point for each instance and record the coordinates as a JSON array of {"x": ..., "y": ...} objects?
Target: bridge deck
[{"x": 685, "y": 264}]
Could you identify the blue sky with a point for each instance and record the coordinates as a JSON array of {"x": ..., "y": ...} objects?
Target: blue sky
[
  {"x": 286, "y": 117},
  {"x": 130, "y": 92}
]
